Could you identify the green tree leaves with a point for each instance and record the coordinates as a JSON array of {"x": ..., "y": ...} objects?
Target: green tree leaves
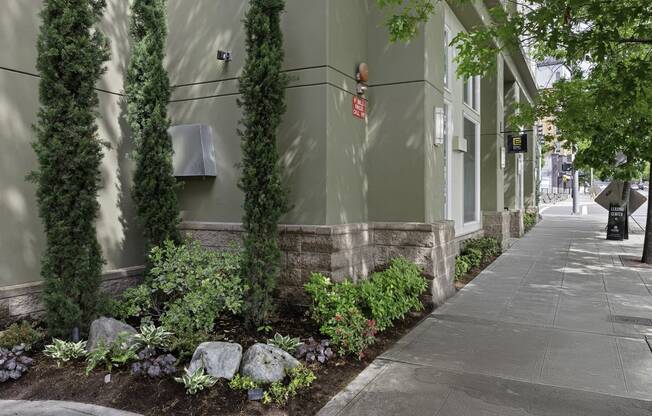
[{"x": 405, "y": 16}]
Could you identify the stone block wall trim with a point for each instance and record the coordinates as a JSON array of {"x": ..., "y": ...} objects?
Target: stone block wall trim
[
  {"x": 349, "y": 250},
  {"x": 498, "y": 225},
  {"x": 24, "y": 301},
  {"x": 517, "y": 228}
]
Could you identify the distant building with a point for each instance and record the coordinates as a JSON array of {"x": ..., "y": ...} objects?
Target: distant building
[
  {"x": 550, "y": 71},
  {"x": 554, "y": 173}
]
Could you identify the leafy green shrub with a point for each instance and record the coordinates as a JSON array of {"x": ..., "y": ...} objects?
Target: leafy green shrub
[
  {"x": 392, "y": 293},
  {"x": 336, "y": 309},
  {"x": 196, "y": 381},
  {"x": 529, "y": 220},
  {"x": 64, "y": 351},
  {"x": 188, "y": 287},
  {"x": 462, "y": 266},
  {"x": 278, "y": 393},
  {"x": 286, "y": 343},
  {"x": 488, "y": 246},
  {"x": 351, "y": 314},
  {"x": 20, "y": 333},
  {"x": 475, "y": 254},
  {"x": 474, "y": 257}
]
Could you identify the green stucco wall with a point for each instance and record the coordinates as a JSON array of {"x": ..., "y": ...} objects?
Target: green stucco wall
[{"x": 338, "y": 169}]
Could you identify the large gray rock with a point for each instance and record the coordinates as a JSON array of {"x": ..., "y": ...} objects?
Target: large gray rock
[
  {"x": 220, "y": 359},
  {"x": 266, "y": 363},
  {"x": 106, "y": 330}
]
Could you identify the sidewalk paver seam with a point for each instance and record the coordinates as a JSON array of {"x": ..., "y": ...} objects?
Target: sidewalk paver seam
[{"x": 622, "y": 367}]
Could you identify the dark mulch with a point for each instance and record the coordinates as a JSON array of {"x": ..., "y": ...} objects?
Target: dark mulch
[{"x": 165, "y": 397}]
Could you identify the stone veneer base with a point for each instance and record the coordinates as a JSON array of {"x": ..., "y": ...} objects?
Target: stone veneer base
[
  {"x": 497, "y": 225},
  {"x": 24, "y": 301},
  {"x": 517, "y": 228},
  {"x": 349, "y": 250}
]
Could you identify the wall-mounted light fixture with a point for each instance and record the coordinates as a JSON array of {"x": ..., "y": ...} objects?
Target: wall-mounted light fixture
[
  {"x": 225, "y": 56},
  {"x": 438, "y": 140},
  {"x": 362, "y": 76}
]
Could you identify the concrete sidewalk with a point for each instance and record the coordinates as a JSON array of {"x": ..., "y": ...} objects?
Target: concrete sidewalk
[{"x": 556, "y": 326}]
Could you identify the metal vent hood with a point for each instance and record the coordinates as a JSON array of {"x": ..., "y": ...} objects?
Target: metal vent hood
[{"x": 194, "y": 154}]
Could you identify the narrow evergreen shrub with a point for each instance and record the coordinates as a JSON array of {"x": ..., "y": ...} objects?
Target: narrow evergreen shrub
[
  {"x": 262, "y": 89},
  {"x": 148, "y": 92},
  {"x": 71, "y": 56}
]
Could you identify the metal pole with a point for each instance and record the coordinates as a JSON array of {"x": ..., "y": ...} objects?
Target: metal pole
[
  {"x": 576, "y": 191},
  {"x": 576, "y": 180}
]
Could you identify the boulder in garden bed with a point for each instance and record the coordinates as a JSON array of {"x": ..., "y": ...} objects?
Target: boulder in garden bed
[
  {"x": 266, "y": 364},
  {"x": 107, "y": 330},
  {"x": 220, "y": 359}
]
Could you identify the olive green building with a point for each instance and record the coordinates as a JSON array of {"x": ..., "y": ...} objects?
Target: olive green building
[{"x": 425, "y": 168}]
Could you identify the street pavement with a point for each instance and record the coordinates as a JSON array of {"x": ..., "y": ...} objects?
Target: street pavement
[
  {"x": 55, "y": 408},
  {"x": 556, "y": 326}
]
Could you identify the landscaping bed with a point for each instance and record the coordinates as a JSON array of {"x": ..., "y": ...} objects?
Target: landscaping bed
[
  {"x": 46, "y": 381},
  {"x": 476, "y": 256}
]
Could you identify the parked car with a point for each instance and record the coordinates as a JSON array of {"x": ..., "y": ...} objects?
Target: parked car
[{"x": 641, "y": 186}]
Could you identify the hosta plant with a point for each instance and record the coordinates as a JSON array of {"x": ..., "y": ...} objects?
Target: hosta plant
[
  {"x": 153, "y": 359},
  {"x": 153, "y": 337},
  {"x": 64, "y": 351},
  {"x": 116, "y": 354},
  {"x": 196, "y": 381},
  {"x": 286, "y": 343}
]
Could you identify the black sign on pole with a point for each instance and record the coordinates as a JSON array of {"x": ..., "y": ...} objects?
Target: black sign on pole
[
  {"x": 517, "y": 144},
  {"x": 616, "y": 227}
]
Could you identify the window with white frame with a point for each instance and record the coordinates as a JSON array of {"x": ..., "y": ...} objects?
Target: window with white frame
[
  {"x": 448, "y": 128},
  {"x": 472, "y": 92},
  {"x": 471, "y": 171}
]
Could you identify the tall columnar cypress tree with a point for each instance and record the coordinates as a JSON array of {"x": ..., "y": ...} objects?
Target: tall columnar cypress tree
[
  {"x": 148, "y": 93},
  {"x": 71, "y": 56},
  {"x": 262, "y": 87}
]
